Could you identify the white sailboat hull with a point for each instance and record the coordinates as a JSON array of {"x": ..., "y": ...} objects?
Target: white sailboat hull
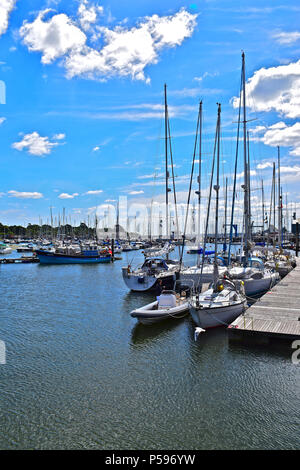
[
  {"x": 194, "y": 274},
  {"x": 216, "y": 316},
  {"x": 256, "y": 283},
  {"x": 257, "y": 286}
]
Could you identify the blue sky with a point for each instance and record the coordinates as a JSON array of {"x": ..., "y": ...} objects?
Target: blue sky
[{"x": 83, "y": 118}]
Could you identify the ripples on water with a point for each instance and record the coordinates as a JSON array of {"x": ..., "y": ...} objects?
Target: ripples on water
[{"x": 81, "y": 373}]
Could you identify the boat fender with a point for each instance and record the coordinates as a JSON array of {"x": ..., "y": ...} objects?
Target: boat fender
[{"x": 128, "y": 269}]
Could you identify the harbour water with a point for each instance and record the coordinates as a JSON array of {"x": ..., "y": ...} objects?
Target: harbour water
[{"x": 81, "y": 374}]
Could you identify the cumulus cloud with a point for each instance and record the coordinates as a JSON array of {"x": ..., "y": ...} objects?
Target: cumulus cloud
[
  {"x": 275, "y": 89},
  {"x": 287, "y": 38},
  {"x": 126, "y": 51},
  {"x": 25, "y": 195},
  {"x": 88, "y": 13},
  {"x": 263, "y": 166},
  {"x": 280, "y": 134},
  {"x": 53, "y": 37},
  {"x": 35, "y": 144},
  {"x": 67, "y": 196},
  {"x": 6, "y": 7}
]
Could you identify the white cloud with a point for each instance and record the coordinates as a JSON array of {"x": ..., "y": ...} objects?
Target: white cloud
[
  {"x": 95, "y": 149},
  {"x": 87, "y": 14},
  {"x": 54, "y": 37},
  {"x": 92, "y": 193},
  {"x": 6, "y": 7},
  {"x": 275, "y": 89},
  {"x": 2, "y": 119},
  {"x": 25, "y": 195},
  {"x": 132, "y": 193},
  {"x": 131, "y": 113},
  {"x": 126, "y": 51},
  {"x": 263, "y": 166},
  {"x": 151, "y": 176},
  {"x": 280, "y": 134},
  {"x": 206, "y": 74},
  {"x": 67, "y": 196},
  {"x": 59, "y": 136},
  {"x": 287, "y": 38},
  {"x": 241, "y": 175},
  {"x": 35, "y": 144}
]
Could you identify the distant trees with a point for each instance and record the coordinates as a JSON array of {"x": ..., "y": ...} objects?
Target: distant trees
[{"x": 46, "y": 231}]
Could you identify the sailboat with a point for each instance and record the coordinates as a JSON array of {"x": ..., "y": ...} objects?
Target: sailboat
[
  {"x": 224, "y": 301},
  {"x": 257, "y": 280},
  {"x": 282, "y": 262},
  {"x": 157, "y": 266},
  {"x": 199, "y": 274}
]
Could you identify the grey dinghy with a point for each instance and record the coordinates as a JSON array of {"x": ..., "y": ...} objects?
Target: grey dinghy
[{"x": 169, "y": 305}]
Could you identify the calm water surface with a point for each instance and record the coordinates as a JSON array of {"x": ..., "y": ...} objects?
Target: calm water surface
[{"x": 81, "y": 373}]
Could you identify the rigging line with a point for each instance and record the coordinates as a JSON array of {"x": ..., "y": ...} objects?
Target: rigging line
[
  {"x": 190, "y": 187},
  {"x": 199, "y": 181},
  {"x": 217, "y": 188},
  {"x": 209, "y": 201},
  {"x": 173, "y": 179},
  {"x": 235, "y": 175}
]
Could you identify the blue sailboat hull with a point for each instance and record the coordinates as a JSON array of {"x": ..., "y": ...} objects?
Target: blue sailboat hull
[{"x": 54, "y": 258}]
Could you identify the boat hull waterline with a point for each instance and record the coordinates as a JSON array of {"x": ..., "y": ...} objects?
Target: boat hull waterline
[
  {"x": 54, "y": 258},
  {"x": 144, "y": 283},
  {"x": 152, "y": 314},
  {"x": 216, "y": 316}
]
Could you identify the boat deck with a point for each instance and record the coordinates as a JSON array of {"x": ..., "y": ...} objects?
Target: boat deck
[{"x": 275, "y": 315}]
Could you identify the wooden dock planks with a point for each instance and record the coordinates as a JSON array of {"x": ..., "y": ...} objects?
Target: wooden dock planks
[{"x": 275, "y": 314}]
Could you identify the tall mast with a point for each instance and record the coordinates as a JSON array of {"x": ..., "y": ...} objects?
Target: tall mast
[
  {"x": 246, "y": 189},
  {"x": 199, "y": 174},
  {"x": 263, "y": 209},
  {"x": 51, "y": 222},
  {"x": 118, "y": 222},
  {"x": 274, "y": 199},
  {"x": 198, "y": 192},
  {"x": 225, "y": 217},
  {"x": 150, "y": 222},
  {"x": 249, "y": 186},
  {"x": 279, "y": 202},
  {"x": 217, "y": 188},
  {"x": 166, "y": 163}
]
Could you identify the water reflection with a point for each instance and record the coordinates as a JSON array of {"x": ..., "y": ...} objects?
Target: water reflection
[{"x": 144, "y": 334}]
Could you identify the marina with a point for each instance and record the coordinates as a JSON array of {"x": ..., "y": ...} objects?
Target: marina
[
  {"x": 276, "y": 315},
  {"x": 78, "y": 364},
  {"x": 149, "y": 228}
]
